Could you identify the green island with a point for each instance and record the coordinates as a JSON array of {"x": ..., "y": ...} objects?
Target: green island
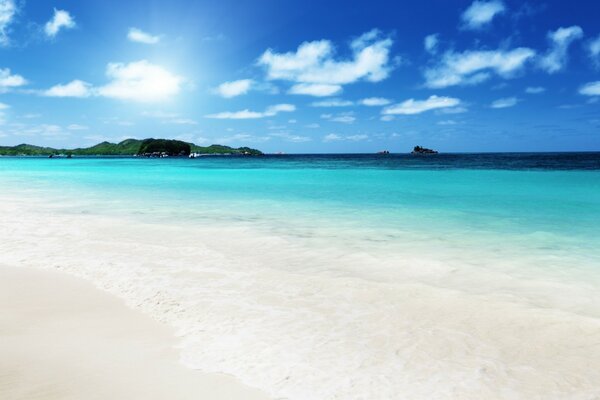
[{"x": 131, "y": 147}]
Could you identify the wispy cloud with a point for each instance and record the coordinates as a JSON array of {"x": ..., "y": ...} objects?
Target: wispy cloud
[
  {"x": 590, "y": 89},
  {"x": 60, "y": 20},
  {"x": 77, "y": 127},
  {"x": 8, "y": 9},
  {"x": 452, "y": 110},
  {"x": 375, "y": 101},
  {"x": 169, "y": 118},
  {"x": 315, "y": 71},
  {"x": 242, "y": 138},
  {"x": 139, "y": 36},
  {"x": 481, "y": 13},
  {"x": 234, "y": 88},
  {"x": 472, "y": 67},
  {"x": 593, "y": 47},
  {"x": 557, "y": 56},
  {"x": 332, "y": 103},
  {"x": 315, "y": 89},
  {"x": 505, "y": 102},
  {"x": 345, "y": 117},
  {"x": 247, "y": 114},
  {"x": 535, "y": 90},
  {"x": 447, "y": 122},
  {"x": 412, "y": 106},
  {"x": 431, "y": 43},
  {"x": 334, "y": 137},
  {"x": 289, "y": 137}
]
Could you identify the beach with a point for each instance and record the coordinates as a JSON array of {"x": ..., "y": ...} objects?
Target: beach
[
  {"x": 61, "y": 338},
  {"x": 301, "y": 284}
]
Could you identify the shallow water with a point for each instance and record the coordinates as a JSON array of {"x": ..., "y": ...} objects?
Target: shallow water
[{"x": 339, "y": 277}]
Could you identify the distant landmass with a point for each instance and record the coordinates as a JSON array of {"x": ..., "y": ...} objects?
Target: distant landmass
[{"x": 131, "y": 147}]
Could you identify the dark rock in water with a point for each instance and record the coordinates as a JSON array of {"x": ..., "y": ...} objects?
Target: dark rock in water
[{"x": 422, "y": 150}]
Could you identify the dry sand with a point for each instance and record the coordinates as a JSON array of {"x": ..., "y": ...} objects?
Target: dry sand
[{"x": 61, "y": 338}]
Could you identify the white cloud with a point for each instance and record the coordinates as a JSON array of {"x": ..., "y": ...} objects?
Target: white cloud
[
  {"x": 8, "y": 80},
  {"x": 556, "y": 58},
  {"x": 4, "y": 106},
  {"x": 247, "y": 114},
  {"x": 315, "y": 89},
  {"x": 590, "y": 89},
  {"x": 8, "y": 9},
  {"x": 472, "y": 67},
  {"x": 315, "y": 71},
  {"x": 431, "y": 43},
  {"x": 505, "y": 102},
  {"x": 74, "y": 88},
  {"x": 535, "y": 90},
  {"x": 140, "y": 81},
  {"x": 387, "y": 118},
  {"x": 332, "y": 103},
  {"x": 139, "y": 36},
  {"x": 312, "y": 126},
  {"x": 375, "y": 101},
  {"x": 61, "y": 19},
  {"x": 481, "y": 13},
  {"x": 594, "y": 50},
  {"x": 234, "y": 88},
  {"x": 412, "y": 106}
]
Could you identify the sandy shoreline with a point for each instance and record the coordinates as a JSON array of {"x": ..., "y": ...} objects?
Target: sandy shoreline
[{"x": 61, "y": 338}]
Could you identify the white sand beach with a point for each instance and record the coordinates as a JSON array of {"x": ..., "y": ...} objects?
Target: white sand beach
[
  {"x": 61, "y": 338},
  {"x": 288, "y": 315}
]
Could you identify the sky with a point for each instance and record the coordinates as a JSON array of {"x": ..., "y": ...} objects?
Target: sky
[{"x": 303, "y": 76}]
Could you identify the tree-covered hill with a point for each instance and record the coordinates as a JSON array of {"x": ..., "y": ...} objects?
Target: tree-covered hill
[{"x": 129, "y": 147}]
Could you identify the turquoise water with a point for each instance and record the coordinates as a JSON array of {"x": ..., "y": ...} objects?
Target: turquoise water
[
  {"x": 559, "y": 196},
  {"x": 418, "y": 273}
]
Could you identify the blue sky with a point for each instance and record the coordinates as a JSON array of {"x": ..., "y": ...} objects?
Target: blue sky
[{"x": 303, "y": 76}]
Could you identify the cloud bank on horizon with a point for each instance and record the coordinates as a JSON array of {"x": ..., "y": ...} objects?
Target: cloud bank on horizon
[{"x": 497, "y": 61}]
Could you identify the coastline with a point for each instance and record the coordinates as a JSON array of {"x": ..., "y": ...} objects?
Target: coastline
[{"x": 62, "y": 338}]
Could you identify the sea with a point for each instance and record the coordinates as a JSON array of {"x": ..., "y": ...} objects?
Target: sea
[{"x": 448, "y": 276}]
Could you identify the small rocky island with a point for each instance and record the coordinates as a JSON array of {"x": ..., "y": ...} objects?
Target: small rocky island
[{"x": 418, "y": 150}]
